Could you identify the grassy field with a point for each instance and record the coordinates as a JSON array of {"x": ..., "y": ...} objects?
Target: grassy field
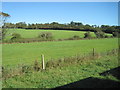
[
  {"x": 16, "y": 54},
  {"x": 27, "y": 53},
  {"x": 57, "y": 34},
  {"x": 86, "y": 75}
]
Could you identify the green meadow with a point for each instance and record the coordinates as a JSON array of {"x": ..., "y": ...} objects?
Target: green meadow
[
  {"x": 21, "y": 53},
  {"x": 57, "y": 34},
  {"x": 59, "y": 45},
  {"x": 16, "y": 54}
]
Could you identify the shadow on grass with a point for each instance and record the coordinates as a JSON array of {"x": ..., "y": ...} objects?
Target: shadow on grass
[
  {"x": 114, "y": 72},
  {"x": 92, "y": 82}
]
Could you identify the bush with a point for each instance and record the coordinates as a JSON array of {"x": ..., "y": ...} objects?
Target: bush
[
  {"x": 52, "y": 63},
  {"x": 115, "y": 34},
  {"x": 15, "y": 36},
  {"x": 106, "y": 36},
  {"x": 100, "y": 34},
  {"x": 76, "y": 37},
  {"x": 36, "y": 66},
  {"x": 26, "y": 69},
  {"x": 45, "y": 36},
  {"x": 87, "y": 35}
]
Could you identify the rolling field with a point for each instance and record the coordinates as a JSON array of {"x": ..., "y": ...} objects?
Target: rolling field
[
  {"x": 59, "y": 45},
  {"x": 85, "y": 74},
  {"x": 57, "y": 34},
  {"x": 20, "y": 53}
]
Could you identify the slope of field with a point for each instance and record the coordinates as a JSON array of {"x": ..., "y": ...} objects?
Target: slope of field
[
  {"x": 57, "y": 34},
  {"x": 27, "y": 53}
]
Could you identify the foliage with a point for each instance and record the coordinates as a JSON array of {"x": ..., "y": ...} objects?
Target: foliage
[
  {"x": 115, "y": 34},
  {"x": 45, "y": 36},
  {"x": 76, "y": 37},
  {"x": 100, "y": 34},
  {"x": 15, "y": 36},
  {"x": 74, "y": 26},
  {"x": 36, "y": 66},
  {"x": 87, "y": 35},
  {"x": 3, "y": 30}
]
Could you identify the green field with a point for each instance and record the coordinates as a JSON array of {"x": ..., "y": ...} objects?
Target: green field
[
  {"x": 57, "y": 34},
  {"x": 87, "y": 74},
  {"x": 19, "y": 53}
]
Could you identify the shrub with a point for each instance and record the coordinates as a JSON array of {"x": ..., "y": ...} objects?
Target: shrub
[
  {"x": 87, "y": 35},
  {"x": 51, "y": 64},
  {"x": 46, "y": 36},
  {"x": 106, "y": 36},
  {"x": 100, "y": 34},
  {"x": 115, "y": 34},
  {"x": 26, "y": 69},
  {"x": 76, "y": 37},
  {"x": 36, "y": 66},
  {"x": 15, "y": 36}
]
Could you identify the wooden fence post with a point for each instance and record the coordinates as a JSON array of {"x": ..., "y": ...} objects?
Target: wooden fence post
[
  {"x": 93, "y": 52},
  {"x": 43, "y": 62}
]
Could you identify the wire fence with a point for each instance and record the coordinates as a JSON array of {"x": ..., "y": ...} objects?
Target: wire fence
[
  {"x": 29, "y": 60},
  {"x": 25, "y": 67}
]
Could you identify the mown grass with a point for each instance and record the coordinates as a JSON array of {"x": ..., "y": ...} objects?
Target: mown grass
[
  {"x": 57, "y": 34},
  {"x": 55, "y": 77}
]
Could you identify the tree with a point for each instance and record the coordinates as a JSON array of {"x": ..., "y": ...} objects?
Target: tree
[
  {"x": 21, "y": 25},
  {"x": 3, "y": 30}
]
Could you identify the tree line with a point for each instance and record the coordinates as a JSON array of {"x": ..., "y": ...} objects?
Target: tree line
[{"x": 75, "y": 26}]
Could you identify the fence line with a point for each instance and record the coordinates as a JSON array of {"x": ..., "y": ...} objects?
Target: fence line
[
  {"x": 93, "y": 51},
  {"x": 24, "y": 68}
]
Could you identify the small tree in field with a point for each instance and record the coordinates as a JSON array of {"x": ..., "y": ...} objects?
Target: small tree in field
[{"x": 3, "y": 18}]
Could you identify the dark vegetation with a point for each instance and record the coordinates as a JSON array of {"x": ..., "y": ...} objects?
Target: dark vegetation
[
  {"x": 45, "y": 36},
  {"x": 75, "y": 26},
  {"x": 48, "y": 36},
  {"x": 3, "y": 17}
]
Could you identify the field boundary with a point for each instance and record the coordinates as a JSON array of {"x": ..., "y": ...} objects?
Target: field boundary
[
  {"x": 66, "y": 61},
  {"x": 52, "y": 40}
]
